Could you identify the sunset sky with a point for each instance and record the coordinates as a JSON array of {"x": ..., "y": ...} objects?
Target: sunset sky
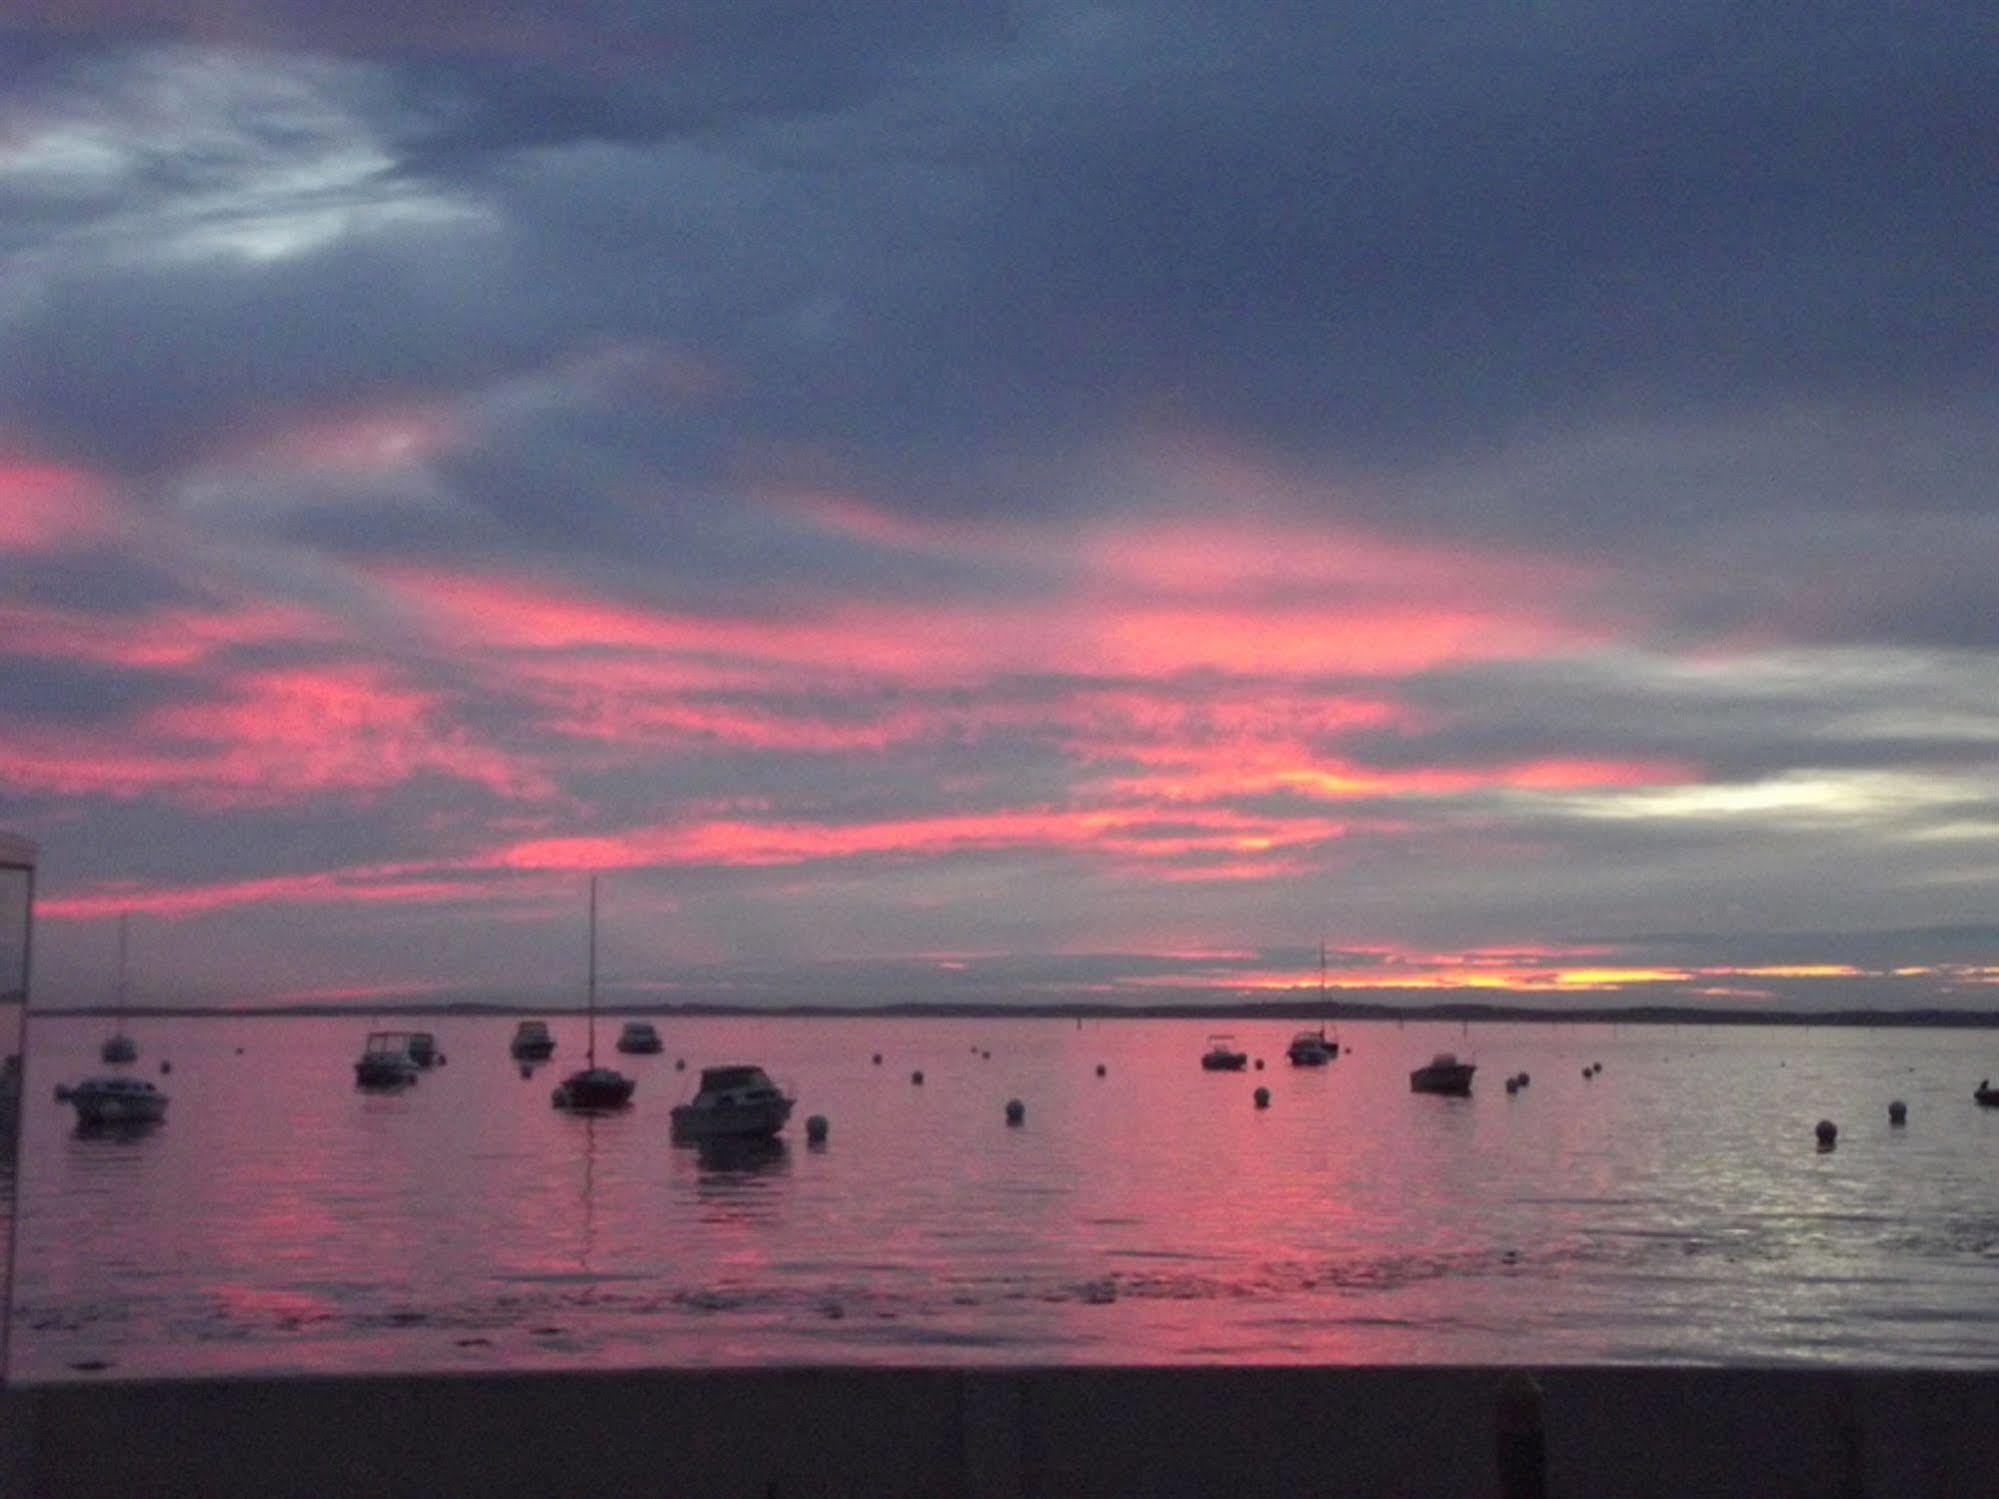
[{"x": 1031, "y": 501}]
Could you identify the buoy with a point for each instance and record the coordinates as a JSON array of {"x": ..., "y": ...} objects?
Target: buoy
[
  {"x": 239, "y": 1051},
  {"x": 166, "y": 1067},
  {"x": 1588, "y": 1073},
  {"x": 815, "y": 1129},
  {"x": 526, "y": 1071},
  {"x": 917, "y": 1078},
  {"x": 1828, "y": 1134},
  {"x": 442, "y": 1059},
  {"x": 1262, "y": 1096},
  {"x": 878, "y": 1059},
  {"x": 985, "y": 1056},
  {"x": 1015, "y": 1111},
  {"x": 1525, "y": 1079},
  {"x": 1100, "y": 1069},
  {"x": 1898, "y": 1112},
  {"x": 1513, "y": 1085},
  {"x": 680, "y": 1064},
  {"x": 1259, "y": 1064}
]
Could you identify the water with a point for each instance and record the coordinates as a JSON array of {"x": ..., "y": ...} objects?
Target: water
[{"x": 1673, "y": 1209}]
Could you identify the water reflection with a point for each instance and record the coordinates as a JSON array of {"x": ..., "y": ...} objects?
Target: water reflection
[{"x": 724, "y": 1162}]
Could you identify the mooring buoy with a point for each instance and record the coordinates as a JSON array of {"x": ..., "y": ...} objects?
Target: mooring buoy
[
  {"x": 917, "y": 1078},
  {"x": 1262, "y": 1096},
  {"x": 1828, "y": 1134},
  {"x": 1100, "y": 1069},
  {"x": 1898, "y": 1112},
  {"x": 815, "y": 1129},
  {"x": 1015, "y": 1111}
]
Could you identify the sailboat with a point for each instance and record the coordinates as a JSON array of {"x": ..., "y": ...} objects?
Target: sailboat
[
  {"x": 594, "y": 1087},
  {"x": 1315, "y": 1048},
  {"x": 119, "y": 1047}
]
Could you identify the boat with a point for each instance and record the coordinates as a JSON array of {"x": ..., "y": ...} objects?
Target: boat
[
  {"x": 1445, "y": 1074},
  {"x": 115, "y": 1100},
  {"x": 1311, "y": 1049},
  {"x": 119, "y": 1047},
  {"x": 385, "y": 1062},
  {"x": 1221, "y": 1055},
  {"x": 423, "y": 1049},
  {"x": 733, "y": 1103},
  {"x": 532, "y": 1042},
  {"x": 1986, "y": 1094},
  {"x": 594, "y": 1087},
  {"x": 638, "y": 1038}
]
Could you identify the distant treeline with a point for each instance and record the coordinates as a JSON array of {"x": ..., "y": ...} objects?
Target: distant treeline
[{"x": 1263, "y": 1010}]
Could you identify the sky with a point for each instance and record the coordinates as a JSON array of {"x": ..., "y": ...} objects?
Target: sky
[{"x": 1037, "y": 501}]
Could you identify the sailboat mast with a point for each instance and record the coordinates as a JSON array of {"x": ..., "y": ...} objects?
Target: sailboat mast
[
  {"x": 124, "y": 967},
  {"x": 593, "y": 971}
]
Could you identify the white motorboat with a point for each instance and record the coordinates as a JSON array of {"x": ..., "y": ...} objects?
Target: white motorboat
[
  {"x": 733, "y": 1103},
  {"x": 1445, "y": 1074},
  {"x": 115, "y": 1100},
  {"x": 639, "y": 1038},
  {"x": 532, "y": 1042},
  {"x": 385, "y": 1062}
]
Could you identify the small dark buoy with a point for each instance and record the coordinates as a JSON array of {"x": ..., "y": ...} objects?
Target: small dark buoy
[
  {"x": 1262, "y": 1096},
  {"x": 1015, "y": 1111},
  {"x": 442, "y": 1059},
  {"x": 166, "y": 1067},
  {"x": 1100, "y": 1069},
  {"x": 1259, "y": 1064},
  {"x": 917, "y": 1078},
  {"x": 526, "y": 1071},
  {"x": 1828, "y": 1134},
  {"x": 1525, "y": 1079},
  {"x": 1513, "y": 1085},
  {"x": 1588, "y": 1073},
  {"x": 878, "y": 1059},
  {"x": 815, "y": 1129},
  {"x": 1898, "y": 1112},
  {"x": 239, "y": 1051},
  {"x": 680, "y": 1064},
  {"x": 985, "y": 1056}
]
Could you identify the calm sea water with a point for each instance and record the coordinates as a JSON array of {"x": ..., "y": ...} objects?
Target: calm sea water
[{"x": 1673, "y": 1209}]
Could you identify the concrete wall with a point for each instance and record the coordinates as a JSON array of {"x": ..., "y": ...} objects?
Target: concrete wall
[{"x": 1053, "y": 1432}]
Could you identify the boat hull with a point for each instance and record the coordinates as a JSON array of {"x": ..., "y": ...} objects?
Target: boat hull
[
  {"x": 1235, "y": 1062},
  {"x": 94, "y": 1110},
  {"x": 753, "y": 1121},
  {"x": 642, "y": 1048},
  {"x": 373, "y": 1074},
  {"x": 596, "y": 1089},
  {"x": 1453, "y": 1082},
  {"x": 1987, "y": 1097}
]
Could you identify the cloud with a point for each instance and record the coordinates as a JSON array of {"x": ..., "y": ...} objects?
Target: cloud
[{"x": 1060, "y": 484}]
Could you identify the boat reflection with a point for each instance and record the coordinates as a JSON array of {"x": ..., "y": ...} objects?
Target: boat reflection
[{"x": 729, "y": 1159}]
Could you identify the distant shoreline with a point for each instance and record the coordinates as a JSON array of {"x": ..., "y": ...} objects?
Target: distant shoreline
[{"x": 1292, "y": 1010}]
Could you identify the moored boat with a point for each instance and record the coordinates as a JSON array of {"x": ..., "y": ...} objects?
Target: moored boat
[
  {"x": 594, "y": 1087},
  {"x": 119, "y": 1047},
  {"x": 638, "y": 1038},
  {"x": 1445, "y": 1074},
  {"x": 1222, "y": 1056},
  {"x": 532, "y": 1042},
  {"x": 116, "y": 1100},
  {"x": 385, "y": 1062},
  {"x": 1311, "y": 1049},
  {"x": 736, "y": 1102}
]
